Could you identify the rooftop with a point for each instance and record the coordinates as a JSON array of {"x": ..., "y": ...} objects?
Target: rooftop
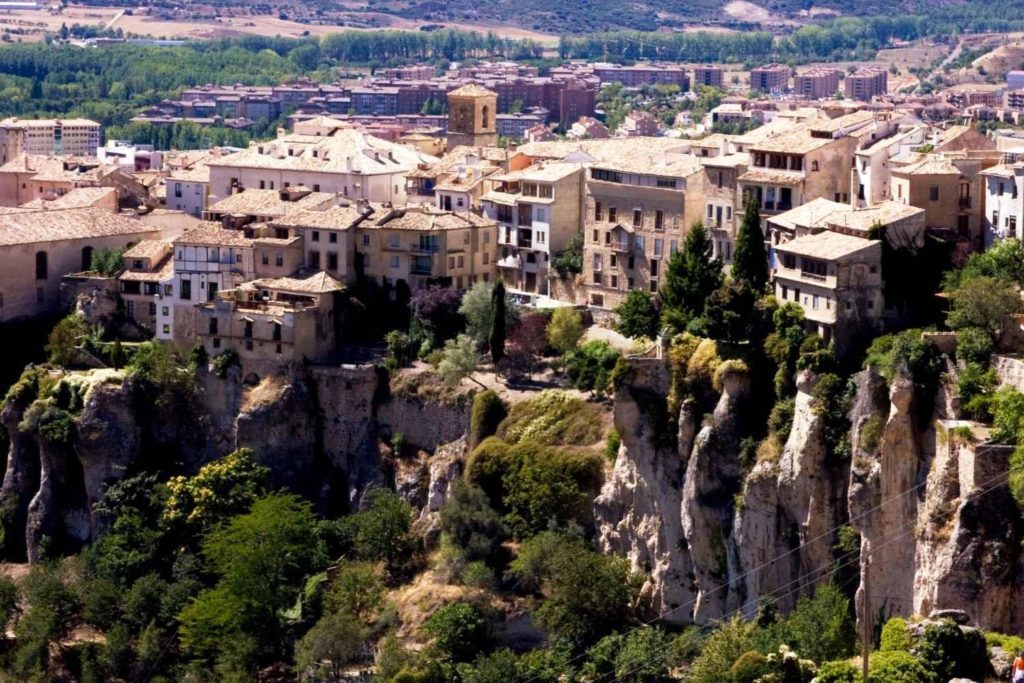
[
  {"x": 770, "y": 176},
  {"x": 77, "y": 198},
  {"x": 147, "y": 249},
  {"x": 317, "y": 283},
  {"x": 428, "y": 220},
  {"x": 472, "y": 90},
  {"x": 268, "y": 202},
  {"x": 213, "y": 237},
  {"x": 28, "y": 227},
  {"x": 829, "y": 246}
]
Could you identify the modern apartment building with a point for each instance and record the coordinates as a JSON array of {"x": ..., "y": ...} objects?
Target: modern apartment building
[
  {"x": 817, "y": 83},
  {"x": 709, "y": 75},
  {"x": 770, "y": 78},
  {"x": 51, "y": 137},
  {"x": 865, "y": 83}
]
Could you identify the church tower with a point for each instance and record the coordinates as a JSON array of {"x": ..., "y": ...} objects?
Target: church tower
[{"x": 471, "y": 117}]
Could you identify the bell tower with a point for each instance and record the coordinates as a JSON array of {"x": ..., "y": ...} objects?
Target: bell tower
[{"x": 471, "y": 117}]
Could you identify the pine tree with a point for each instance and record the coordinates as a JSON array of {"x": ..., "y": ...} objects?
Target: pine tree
[
  {"x": 691, "y": 276},
  {"x": 750, "y": 260},
  {"x": 497, "y": 337}
]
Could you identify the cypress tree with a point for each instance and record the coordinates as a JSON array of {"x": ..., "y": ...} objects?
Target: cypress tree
[
  {"x": 750, "y": 260},
  {"x": 497, "y": 337},
  {"x": 691, "y": 276}
]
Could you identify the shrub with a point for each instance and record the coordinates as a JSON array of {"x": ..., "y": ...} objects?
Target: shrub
[
  {"x": 895, "y": 636},
  {"x": 949, "y": 652},
  {"x": 749, "y": 667},
  {"x": 60, "y": 345},
  {"x": 459, "y": 630},
  {"x": 612, "y": 444},
  {"x": 486, "y": 466},
  {"x": 728, "y": 643},
  {"x": 897, "y": 667},
  {"x": 555, "y": 418},
  {"x": 401, "y": 347},
  {"x": 478, "y": 575},
  {"x": 780, "y": 422},
  {"x": 487, "y": 413},
  {"x": 871, "y": 434},
  {"x": 565, "y": 329},
  {"x": 820, "y": 627},
  {"x": 224, "y": 362},
  {"x": 973, "y": 345},
  {"x": 838, "y": 672},
  {"x": 590, "y": 366},
  {"x": 471, "y": 523}
]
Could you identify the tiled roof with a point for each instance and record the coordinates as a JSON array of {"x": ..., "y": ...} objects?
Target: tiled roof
[
  {"x": 772, "y": 176},
  {"x": 827, "y": 245},
  {"x": 28, "y": 227},
  {"x": 213, "y": 237},
  {"x": 347, "y": 150},
  {"x": 428, "y": 220},
  {"x": 75, "y": 199},
  {"x": 472, "y": 90},
  {"x": 332, "y": 218},
  {"x": 930, "y": 166},
  {"x": 147, "y": 249},
  {"x": 316, "y": 283},
  {"x": 164, "y": 272},
  {"x": 267, "y": 203}
]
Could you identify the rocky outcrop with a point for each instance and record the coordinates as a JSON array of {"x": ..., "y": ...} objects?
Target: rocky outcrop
[
  {"x": 639, "y": 511},
  {"x": 785, "y": 527}
]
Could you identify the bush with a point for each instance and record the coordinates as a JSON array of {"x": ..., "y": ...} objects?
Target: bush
[
  {"x": 973, "y": 345},
  {"x": 720, "y": 651},
  {"x": 897, "y": 667},
  {"x": 459, "y": 630},
  {"x": 471, "y": 523},
  {"x": 60, "y": 346},
  {"x": 749, "y": 667},
  {"x": 555, "y": 418},
  {"x": 780, "y": 422},
  {"x": 401, "y": 348},
  {"x": 487, "y": 413},
  {"x": 895, "y": 636},
  {"x": 565, "y": 329},
  {"x": 224, "y": 362},
  {"x": 612, "y": 444},
  {"x": 820, "y": 627},
  {"x": 838, "y": 672},
  {"x": 590, "y": 366},
  {"x": 949, "y": 652}
]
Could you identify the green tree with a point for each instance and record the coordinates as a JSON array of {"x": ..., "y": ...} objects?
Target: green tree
[
  {"x": 497, "y": 332},
  {"x": 106, "y": 261},
  {"x": 380, "y": 532},
  {"x": 459, "y": 630},
  {"x": 727, "y": 644},
  {"x": 478, "y": 307},
  {"x": 471, "y": 523},
  {"x": 220, "y": 490},
  {"x": 569, "y": 261},
  {"x": 897, "y": 667},
  {"x": 357, "y": 589},
  {"x": 820, "y": 628},
  {"x": 984, "y": 303},
  {"x": 587, "y": 594},
  {"x": 637, "y": 315},
  {"x": 261, "y": 558},
  {"x": 590, "y": 366},
  {"x": 565, "y": 329},
  {"x": 66, "y": 335},
  {"x": 459, "y": 360},
  {"x": 749, "y": 258},
  {"x": 486, "y": 414},
  {"x": 335, "y": 640},
  {"x": 691, "y": 276}
]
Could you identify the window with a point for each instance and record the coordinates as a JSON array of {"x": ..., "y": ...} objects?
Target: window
[
  {"x": 316, "y": 236},
  {"x": 451, "y": 262},
  {"x": 279, "y": 260},
  {"x": 711, "y": 211},
  {"x": 659, "y": 220},
  {"x": 394, "y": 241},
  {"x": 615, "y": 282},
  {"x": 666, "y": 182},
  {"x": 394, "y": 262},
  {"x": 487, "y": 236},
  {"x": 597, "y": 262},
  {"x": 314, "y": 259},
  {"x": 275, "y": 332},
  {"x": 594, "y": 237},
  {"x": 658, "y": 246},
  {"x": 186, "y": 290},
  {"x": 1000, "y": 192},
  {"x": 213, "y": 326},
  {"x": 638, "y": 218},
  {"x": 167, "y": 330},
  {"x": 607, "y": 176},
  {"x": 462, "y": 261},
  {"x": 654, "y": 268},
  {"x": 654, "y": 285},
  {"x": 366, "y": 240},
  {"x": 465, "y": 237},
  {"x": 487, "y": 257},
  {"x": 612, "y": 214},
  {"x": 332, "y": 260},
  {"x": 933, "y": 193},
  {"x": 814, "y": 166},
  {"x": 332, "y": 238},
  {"x": 785, "y": 292},
  {"x": 247, "y": 331},
  {"x": 42, "y": 265},
  {"x": 597, "y": 211},
  {"x": 213, "y": 255},
  {"x": 266, "y": 259},
  {"x": 719, "y": 180}
]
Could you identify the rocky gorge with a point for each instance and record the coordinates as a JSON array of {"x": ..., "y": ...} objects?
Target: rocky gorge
[{"x": 915, "y": 517}]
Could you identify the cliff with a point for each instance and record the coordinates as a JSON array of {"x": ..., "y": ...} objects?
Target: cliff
[{"x": 319, "y": 433}]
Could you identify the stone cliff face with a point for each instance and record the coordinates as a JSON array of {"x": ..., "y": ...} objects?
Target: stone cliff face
[
  {"x": 925, "y": 500},
  {"x": 938, "y": 528},
  {"x": 319, "y": 433}
]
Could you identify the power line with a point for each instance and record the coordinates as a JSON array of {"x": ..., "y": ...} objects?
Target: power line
[{"x": 988, "y": 486}]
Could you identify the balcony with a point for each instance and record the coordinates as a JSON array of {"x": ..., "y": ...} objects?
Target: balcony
[
  {"x": 622, "y": 247},
  {"x": 420, "y": 270},
  {"x": 814, "y": 277}
]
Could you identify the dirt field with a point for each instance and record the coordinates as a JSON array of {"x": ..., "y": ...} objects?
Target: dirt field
[{"x": 30, "y": 25}]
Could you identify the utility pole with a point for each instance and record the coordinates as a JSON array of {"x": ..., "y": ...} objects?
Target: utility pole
[{"x": 865, "y": 621}]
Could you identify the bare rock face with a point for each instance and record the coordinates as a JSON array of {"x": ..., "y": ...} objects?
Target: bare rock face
[
  {"x": 639, "y": 511},
  {"x": 444, "y": 468},
  {"x": 21, "y": 476},
  {"x": 713, "y": 478},
  {"x": 783, "y": 531}
]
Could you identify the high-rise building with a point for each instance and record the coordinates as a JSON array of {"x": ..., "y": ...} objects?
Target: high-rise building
[
  {"x": 770, "y": 78},
  {"x": 816, "y": 84},
  {"x": 49, "y": 137},
  {"x": 865, "y": 83}
]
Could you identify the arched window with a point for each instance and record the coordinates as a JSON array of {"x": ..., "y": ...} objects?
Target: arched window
[
  {"x": 484, "y": 116},
  {"x": 814, "y": 165},
  {"x": 86, "y": 258},
  {"x": 42, "y": 265}
]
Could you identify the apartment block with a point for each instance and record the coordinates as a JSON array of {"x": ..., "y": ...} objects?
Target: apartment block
[
  {"x": 637, "y": 211},
  {"x": 643, "y": 74},
  {"x": 1004, "y": 202},
  {"x": 50, "y": 137},
  {"x": 817, "y": 83},
  {"x": 865, "y": 83},
  {"x": 770, "y": 78},
  {"x": 713, "y": 76},
  {"x": 537, "y": 210}
]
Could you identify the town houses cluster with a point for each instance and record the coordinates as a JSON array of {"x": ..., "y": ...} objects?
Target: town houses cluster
[{"x": 252, "y": 249}]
